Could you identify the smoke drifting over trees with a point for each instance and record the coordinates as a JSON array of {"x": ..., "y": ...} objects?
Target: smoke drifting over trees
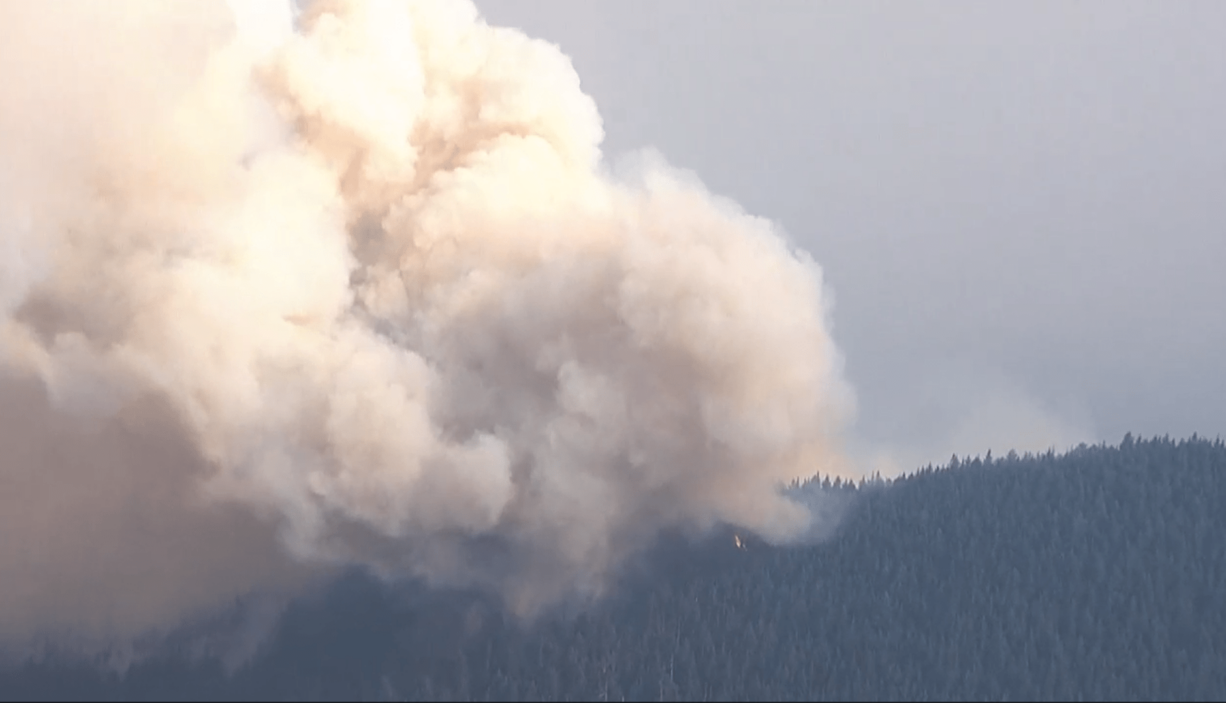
[
  {"x": 286, "y": 293},
  {"x": 1092, "y": 575}
]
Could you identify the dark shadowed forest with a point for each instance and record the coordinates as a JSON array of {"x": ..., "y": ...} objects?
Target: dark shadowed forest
[{"x": 1095, "y": 574}]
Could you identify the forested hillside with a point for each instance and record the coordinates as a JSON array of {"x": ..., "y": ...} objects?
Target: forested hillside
[{"x": 1096, "y": 574}]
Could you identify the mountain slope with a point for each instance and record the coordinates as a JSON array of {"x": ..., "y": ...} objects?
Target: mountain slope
[{"x": 1100, "y": 573}]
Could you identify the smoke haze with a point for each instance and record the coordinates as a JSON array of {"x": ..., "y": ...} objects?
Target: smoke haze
[{"x": 283, "y": 293}]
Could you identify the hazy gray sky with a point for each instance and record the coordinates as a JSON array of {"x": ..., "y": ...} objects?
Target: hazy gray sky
[{"x": 1020, "y": 207}]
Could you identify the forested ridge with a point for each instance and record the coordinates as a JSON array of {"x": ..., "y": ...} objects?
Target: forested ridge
[{"x": 1095, "y": 574}]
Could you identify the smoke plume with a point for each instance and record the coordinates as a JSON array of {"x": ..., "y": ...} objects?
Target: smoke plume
[{"x": 287, "y": 292}]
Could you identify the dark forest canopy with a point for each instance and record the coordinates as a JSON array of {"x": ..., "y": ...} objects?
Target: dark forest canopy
[{"x": 1096, "y": 574}]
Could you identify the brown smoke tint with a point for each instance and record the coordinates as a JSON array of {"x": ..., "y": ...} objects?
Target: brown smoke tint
[{"x": 281, "y": 294}]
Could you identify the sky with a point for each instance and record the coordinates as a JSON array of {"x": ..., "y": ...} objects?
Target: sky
[
  {"x": 250, "y": 333},
  {"x": 1018, "y": 208}
]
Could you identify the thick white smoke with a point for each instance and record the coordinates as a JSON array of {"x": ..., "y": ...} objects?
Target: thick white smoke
[{"x": 281, "y": 294}]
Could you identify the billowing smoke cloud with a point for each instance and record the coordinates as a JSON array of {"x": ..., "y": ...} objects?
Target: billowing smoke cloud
[{"x": 281, "y": 294}]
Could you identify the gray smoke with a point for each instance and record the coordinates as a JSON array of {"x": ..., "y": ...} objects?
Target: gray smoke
[{"x": 282, "y": 294}]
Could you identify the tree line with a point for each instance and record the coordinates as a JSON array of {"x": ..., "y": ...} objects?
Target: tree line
[{"x": 1099, "y": 573}]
